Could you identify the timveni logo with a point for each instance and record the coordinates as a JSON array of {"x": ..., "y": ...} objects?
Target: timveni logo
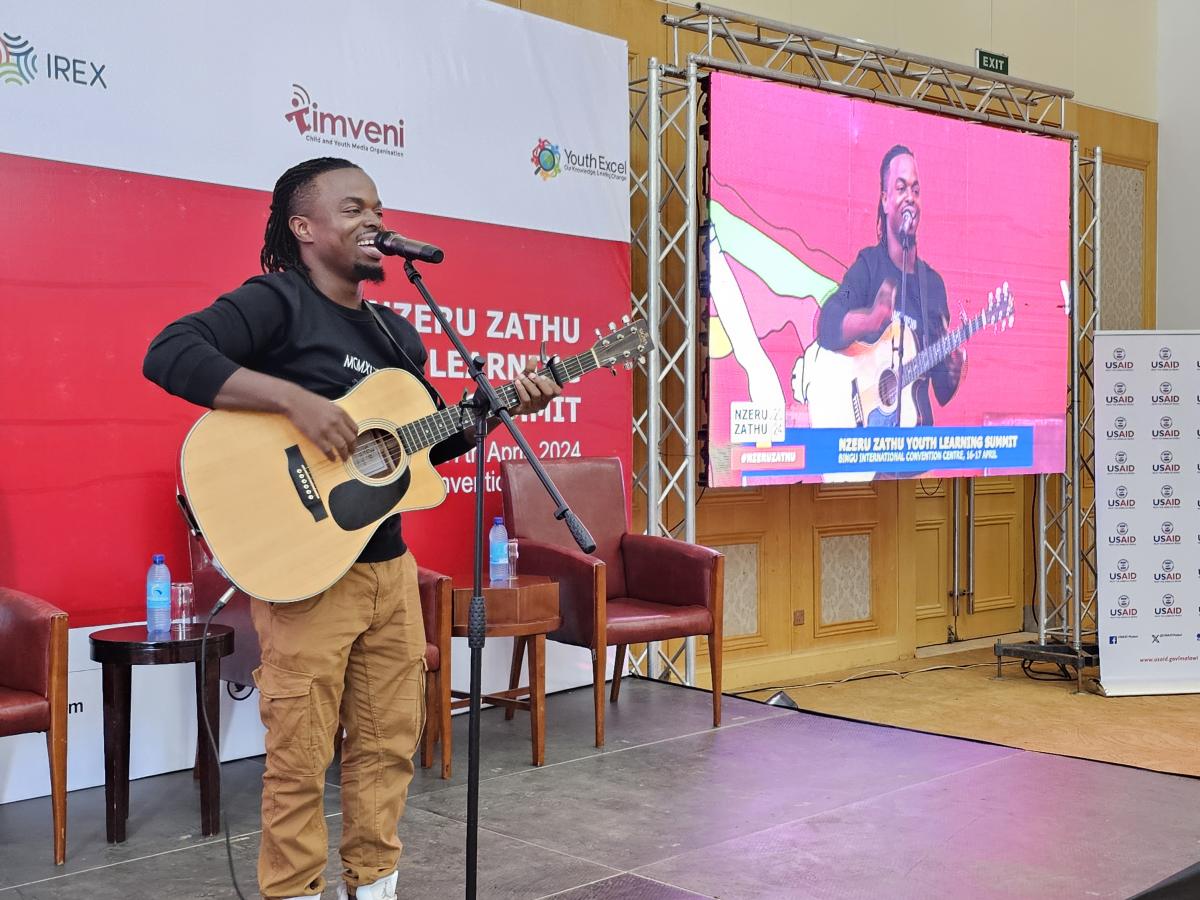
[
  {"x": 18, "y": 64},
  {"x": 546, "y": 159},
  {"x": 341, "y": 130}
]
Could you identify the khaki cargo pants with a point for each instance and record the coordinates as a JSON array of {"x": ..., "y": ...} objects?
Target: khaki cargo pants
[{"x": 355, "y": 655}]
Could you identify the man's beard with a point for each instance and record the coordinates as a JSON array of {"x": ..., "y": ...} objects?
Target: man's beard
[{"x": 365, "y": 272}]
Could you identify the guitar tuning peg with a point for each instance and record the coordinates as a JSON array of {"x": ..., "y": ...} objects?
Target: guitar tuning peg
[
  {"x": 597, "y": 332},
  {"x": 613, "y": 369},
  {"x": 628, "y": 365},
  {"x": 642, "y": 359},
  {"x": 612, "y": 326},
  {"x": 625, "y": 318}
]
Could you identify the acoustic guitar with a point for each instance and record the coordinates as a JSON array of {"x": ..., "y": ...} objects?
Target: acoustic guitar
[{"x": 284, "y": 522}]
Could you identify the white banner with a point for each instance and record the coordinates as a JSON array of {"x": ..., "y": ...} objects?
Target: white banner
[
  {"x": 1147, "y": 422},
  {"x": 458, "y": 108}
]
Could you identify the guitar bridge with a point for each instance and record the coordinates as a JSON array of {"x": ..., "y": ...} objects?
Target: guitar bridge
[
  {"x": 856, "y": 403},
  {"x": 302, "y": 481}
]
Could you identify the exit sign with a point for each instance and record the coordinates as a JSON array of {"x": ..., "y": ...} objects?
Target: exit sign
[{"x": 991, "y": 62}]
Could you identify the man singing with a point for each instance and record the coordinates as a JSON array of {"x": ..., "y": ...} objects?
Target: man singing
[
  {"x": 353, "y": 656},
  {"x": 863, "y": 305}
]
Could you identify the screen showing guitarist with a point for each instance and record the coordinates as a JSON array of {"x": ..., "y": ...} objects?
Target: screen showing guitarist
[
  {"x": 865, "y": 303},
  {"x": 290, "y": 341}
]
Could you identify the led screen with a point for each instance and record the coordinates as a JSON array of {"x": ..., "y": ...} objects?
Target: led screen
[{"x": 888, "y": 291}]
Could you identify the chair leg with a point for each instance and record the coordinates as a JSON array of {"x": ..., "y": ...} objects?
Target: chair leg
[
  {"x": 56, "y": 750},
  {"x": 444, "y": 727},
  {"x": 428, "y": 732},
  {"x": 598, "y": 660},
  {"x": 714, "y": 663},
  {"x": 618, "y": 669},
  {"x": 514, "y": 674}
]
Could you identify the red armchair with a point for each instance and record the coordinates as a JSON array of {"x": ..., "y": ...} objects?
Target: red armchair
[
  {"x": 634, "y": 588},
  {"x": 33, "y": 689}
]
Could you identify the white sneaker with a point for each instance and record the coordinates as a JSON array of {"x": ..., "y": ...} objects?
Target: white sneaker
[{"x": 383, "y": 889}]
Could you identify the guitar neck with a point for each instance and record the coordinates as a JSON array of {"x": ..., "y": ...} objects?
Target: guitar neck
[
  {"x": 436, "y": 427},
  {"x": 937, "y": 351}
]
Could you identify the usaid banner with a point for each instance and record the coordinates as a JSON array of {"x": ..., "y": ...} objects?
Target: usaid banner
[
  {"x": 1148, "y": 510},
  {"x": 139, "y": 146}
]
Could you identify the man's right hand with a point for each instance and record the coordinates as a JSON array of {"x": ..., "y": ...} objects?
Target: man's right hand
[
  {"x": 867, "y": 323},
  {"x": 323, "y": 422},
  {"x": 883, "y": 307}
]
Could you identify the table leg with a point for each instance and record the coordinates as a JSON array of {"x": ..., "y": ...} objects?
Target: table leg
[
  {"x": 514, "y": 673},
  {"x": 116, "y": 688},
  {"x": 537, "y": 696},
  {"x": 208, "y": 696}
]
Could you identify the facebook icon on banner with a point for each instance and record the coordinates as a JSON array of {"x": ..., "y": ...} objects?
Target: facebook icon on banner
[{"x": 1112, "y": 638}]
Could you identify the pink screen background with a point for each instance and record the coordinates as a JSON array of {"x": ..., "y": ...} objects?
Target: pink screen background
[{"x": 802, "y": 166}]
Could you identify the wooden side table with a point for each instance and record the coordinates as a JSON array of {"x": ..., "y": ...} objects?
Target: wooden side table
[
  {"x": 118, "y": 650},
  {"x": 524, "y": 608}
]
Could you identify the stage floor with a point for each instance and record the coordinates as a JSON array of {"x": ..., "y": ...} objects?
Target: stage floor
[{"x": 774, "y": 804}]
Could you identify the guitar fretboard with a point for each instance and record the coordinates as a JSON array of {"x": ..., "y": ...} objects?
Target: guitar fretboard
[
  {"x": 937, "y": 351},
  {"x": 436, "y": 427}
]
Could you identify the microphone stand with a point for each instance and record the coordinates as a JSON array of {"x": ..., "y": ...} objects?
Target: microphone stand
[
  {"x": 906, "y": 243},
  {"x": 486, "y": 403}
]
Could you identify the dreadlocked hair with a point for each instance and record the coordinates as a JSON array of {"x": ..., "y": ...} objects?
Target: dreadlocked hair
[
  {"x": 880, "y": 215},
  {"x": 280, "y": 251}
]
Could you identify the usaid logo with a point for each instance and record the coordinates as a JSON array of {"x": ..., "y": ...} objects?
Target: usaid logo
[
  {"x": 1164, "y": 361},
  {"x": 1167, "y": 534},
  {"x": 1122, "y": 536},
  {"x": 1124, "y": 609},
  {"x": 1118, "y": 362},
  {"x": 1169, "y": 608},
  {"x": 1120, "y": 430},
  {"x": 1121, "y": 464},
  {"x": 1120, "y": 395},
  {"x": 1124, "y": 572},
  {"x": 1166, "y": 463},
  {"x": 1121, "y": 498},
  {"x": 1168, "y": 573},
  {"x": 1166, "y": 497},
  {"x": 1166, "y": 430},
  {"x": 1166, "y": 395}
]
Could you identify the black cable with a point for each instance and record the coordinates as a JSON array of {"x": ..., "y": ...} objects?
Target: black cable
[
  {"x": 864, "y": 677},
  {"x": 1034, "y": 537},
  {"x": 216, "y": 752},
  {"x": 1039, "y": 675}
]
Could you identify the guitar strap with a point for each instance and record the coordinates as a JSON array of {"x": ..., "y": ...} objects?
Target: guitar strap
[{"x": 412, "y": 366}]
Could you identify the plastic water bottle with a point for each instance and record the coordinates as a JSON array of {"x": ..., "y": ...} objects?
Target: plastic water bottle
[
  {"x": 158, "y": 599},
  {"x": 498, "y": 550}
]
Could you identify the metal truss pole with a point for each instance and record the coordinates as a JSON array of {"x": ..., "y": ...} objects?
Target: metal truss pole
[
  {"x": 1066, "y": 551},
  {"x": 664, "y": 116}
]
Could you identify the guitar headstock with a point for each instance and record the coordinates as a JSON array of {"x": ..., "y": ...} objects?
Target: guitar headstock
[
  {"x": 1000, "y": 312},
  {"x": 623, "y": 345}
]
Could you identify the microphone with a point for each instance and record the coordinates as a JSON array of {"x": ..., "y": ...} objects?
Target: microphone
[
  {"x": 908, "y": 224},
  {"x": 390, "y": 243}
]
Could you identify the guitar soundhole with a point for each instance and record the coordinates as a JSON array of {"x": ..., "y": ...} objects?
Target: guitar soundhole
[
  {"x": 887, "y": 388},
  {"x": 378, "y": 455}
]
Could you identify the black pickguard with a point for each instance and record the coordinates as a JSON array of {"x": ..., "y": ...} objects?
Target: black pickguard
[{"x": 355, "y": 505}]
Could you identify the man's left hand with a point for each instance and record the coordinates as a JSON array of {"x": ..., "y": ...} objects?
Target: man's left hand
[{"x": 534, "y": 391}]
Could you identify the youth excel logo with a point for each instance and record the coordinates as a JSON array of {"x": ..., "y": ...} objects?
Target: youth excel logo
[
  {"x": 18, "y": 64},
  {"x": 342, "y": 130},
  {"x": 546, "y": 159}
]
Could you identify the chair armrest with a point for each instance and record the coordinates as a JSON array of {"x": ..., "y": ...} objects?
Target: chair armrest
[
  {"x": 26, "y": 626},
  {"x": 664, "y": 570},
  {"x": 581, "y": 585}
]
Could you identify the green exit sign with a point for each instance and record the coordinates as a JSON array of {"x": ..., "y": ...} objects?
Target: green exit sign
[{"x": 991, "y": 62}]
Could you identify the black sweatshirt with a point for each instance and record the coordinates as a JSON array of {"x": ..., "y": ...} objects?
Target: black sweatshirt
[
  {"x": 280, "y": 324},
  {"x": 926, "y": 310}
]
